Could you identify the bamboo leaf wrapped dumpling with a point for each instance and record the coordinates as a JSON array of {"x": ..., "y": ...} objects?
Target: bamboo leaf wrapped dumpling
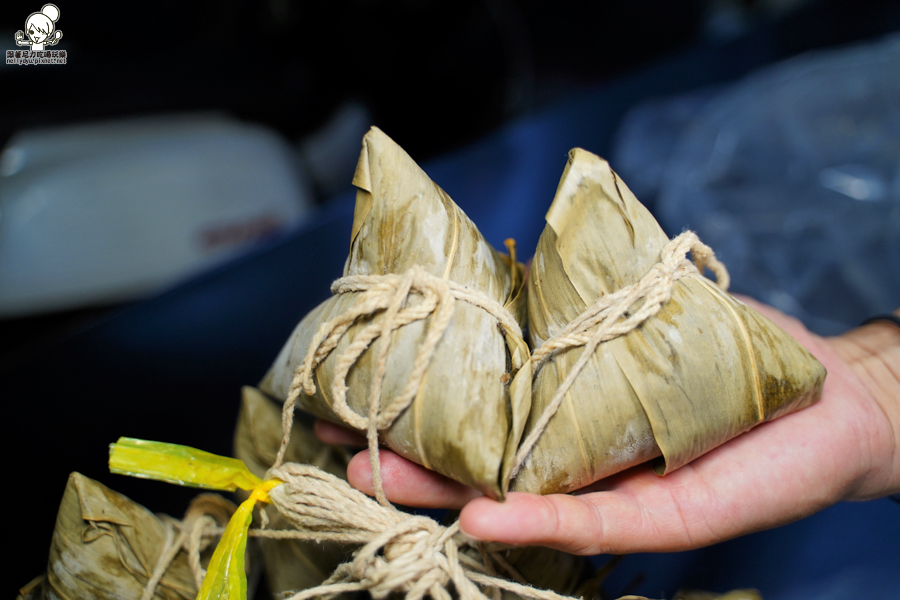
[
  {"x": 108, "y": 546},
  {"x": 704, "y": 369},
  {"x": 461, "y": 419}
]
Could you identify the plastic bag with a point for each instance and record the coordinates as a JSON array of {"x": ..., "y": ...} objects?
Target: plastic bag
[{"x": 793, "y": 177}]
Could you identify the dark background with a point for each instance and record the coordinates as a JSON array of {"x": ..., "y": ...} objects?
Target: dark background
[
  {"x": 444, "y": 79},
  {"x": 435, "y": 74}
]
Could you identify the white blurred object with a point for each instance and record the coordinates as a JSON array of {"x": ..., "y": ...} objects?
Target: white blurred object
[{"x": 107, "y": 212}]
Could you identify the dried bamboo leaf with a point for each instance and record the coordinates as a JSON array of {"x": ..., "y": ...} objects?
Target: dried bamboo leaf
[
  {"x": 106, "y": 546},
  {"x": 462, "y": 422},
  {"x": 703, "y": 370},
  {"x": 290, "y": 565},
  {"x": 257, "y": 438}
]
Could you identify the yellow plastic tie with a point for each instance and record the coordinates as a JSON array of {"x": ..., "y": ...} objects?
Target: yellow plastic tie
[
  {"x": 182, "y": 465},
  {"x": 226, "y": 577}
]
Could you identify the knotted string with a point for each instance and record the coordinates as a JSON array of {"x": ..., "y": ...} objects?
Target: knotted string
[
  {"x": 408, "y": 553},
  {"x": 400, "y": 552},
  {"x": 616, "y": 314},
  {"x": 388, "y": 295}
]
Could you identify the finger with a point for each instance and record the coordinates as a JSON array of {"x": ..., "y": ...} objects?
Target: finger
[
  {"x": 329, "y": 433},
  {"x": 408, "y": 483},
  {"x": 559, "y": 521},
  {"x": 613, "y": 522},
  {"x": 767, "y": 477}
]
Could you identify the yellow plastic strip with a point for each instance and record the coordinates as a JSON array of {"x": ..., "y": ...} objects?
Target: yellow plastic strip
[
  {"x": 181, "y": 465},
  {"x": 225, "y": 577}
]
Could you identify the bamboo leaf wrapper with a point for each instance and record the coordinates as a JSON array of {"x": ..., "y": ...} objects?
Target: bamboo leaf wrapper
[
  {"x": 463, "y": 421},
  {"x": 703, "y": 370}
]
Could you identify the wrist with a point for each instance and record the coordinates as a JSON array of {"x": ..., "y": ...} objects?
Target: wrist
[{"x": 872, "y": 353}]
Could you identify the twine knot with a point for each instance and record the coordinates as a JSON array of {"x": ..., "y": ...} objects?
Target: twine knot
[
  {"x": 416, "y": 556},
  {"x": 399, "y": 553},
  {"x": 388, "y": 301},
  {"x": 612, "y": 315},
  {"x": 411, "y": 554}
]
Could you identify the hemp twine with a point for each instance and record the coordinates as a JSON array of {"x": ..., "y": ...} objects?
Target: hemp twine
[
  {"x": 385, "y": 294},
  {"x": 603, "y": 320},
  {"x": 400, "y": 552},
  {"x": 408, "y": 553},
  {"x": 201, "y": 520}
]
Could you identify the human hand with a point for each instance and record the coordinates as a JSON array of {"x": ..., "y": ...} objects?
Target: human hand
[{"x": 842, "y": 448}]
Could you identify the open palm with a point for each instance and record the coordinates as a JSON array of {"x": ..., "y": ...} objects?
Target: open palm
[{"x": 843, "y": 447}]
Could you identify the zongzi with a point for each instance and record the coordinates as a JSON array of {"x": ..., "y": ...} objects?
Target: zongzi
[
  {"x": 423, "y": 332},
  {"x": 107, "y": 546},
  {"x": 702, "y": 370}
]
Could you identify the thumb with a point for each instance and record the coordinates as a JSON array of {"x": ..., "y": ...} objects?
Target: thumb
[{"x": 569, "y": 523}]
